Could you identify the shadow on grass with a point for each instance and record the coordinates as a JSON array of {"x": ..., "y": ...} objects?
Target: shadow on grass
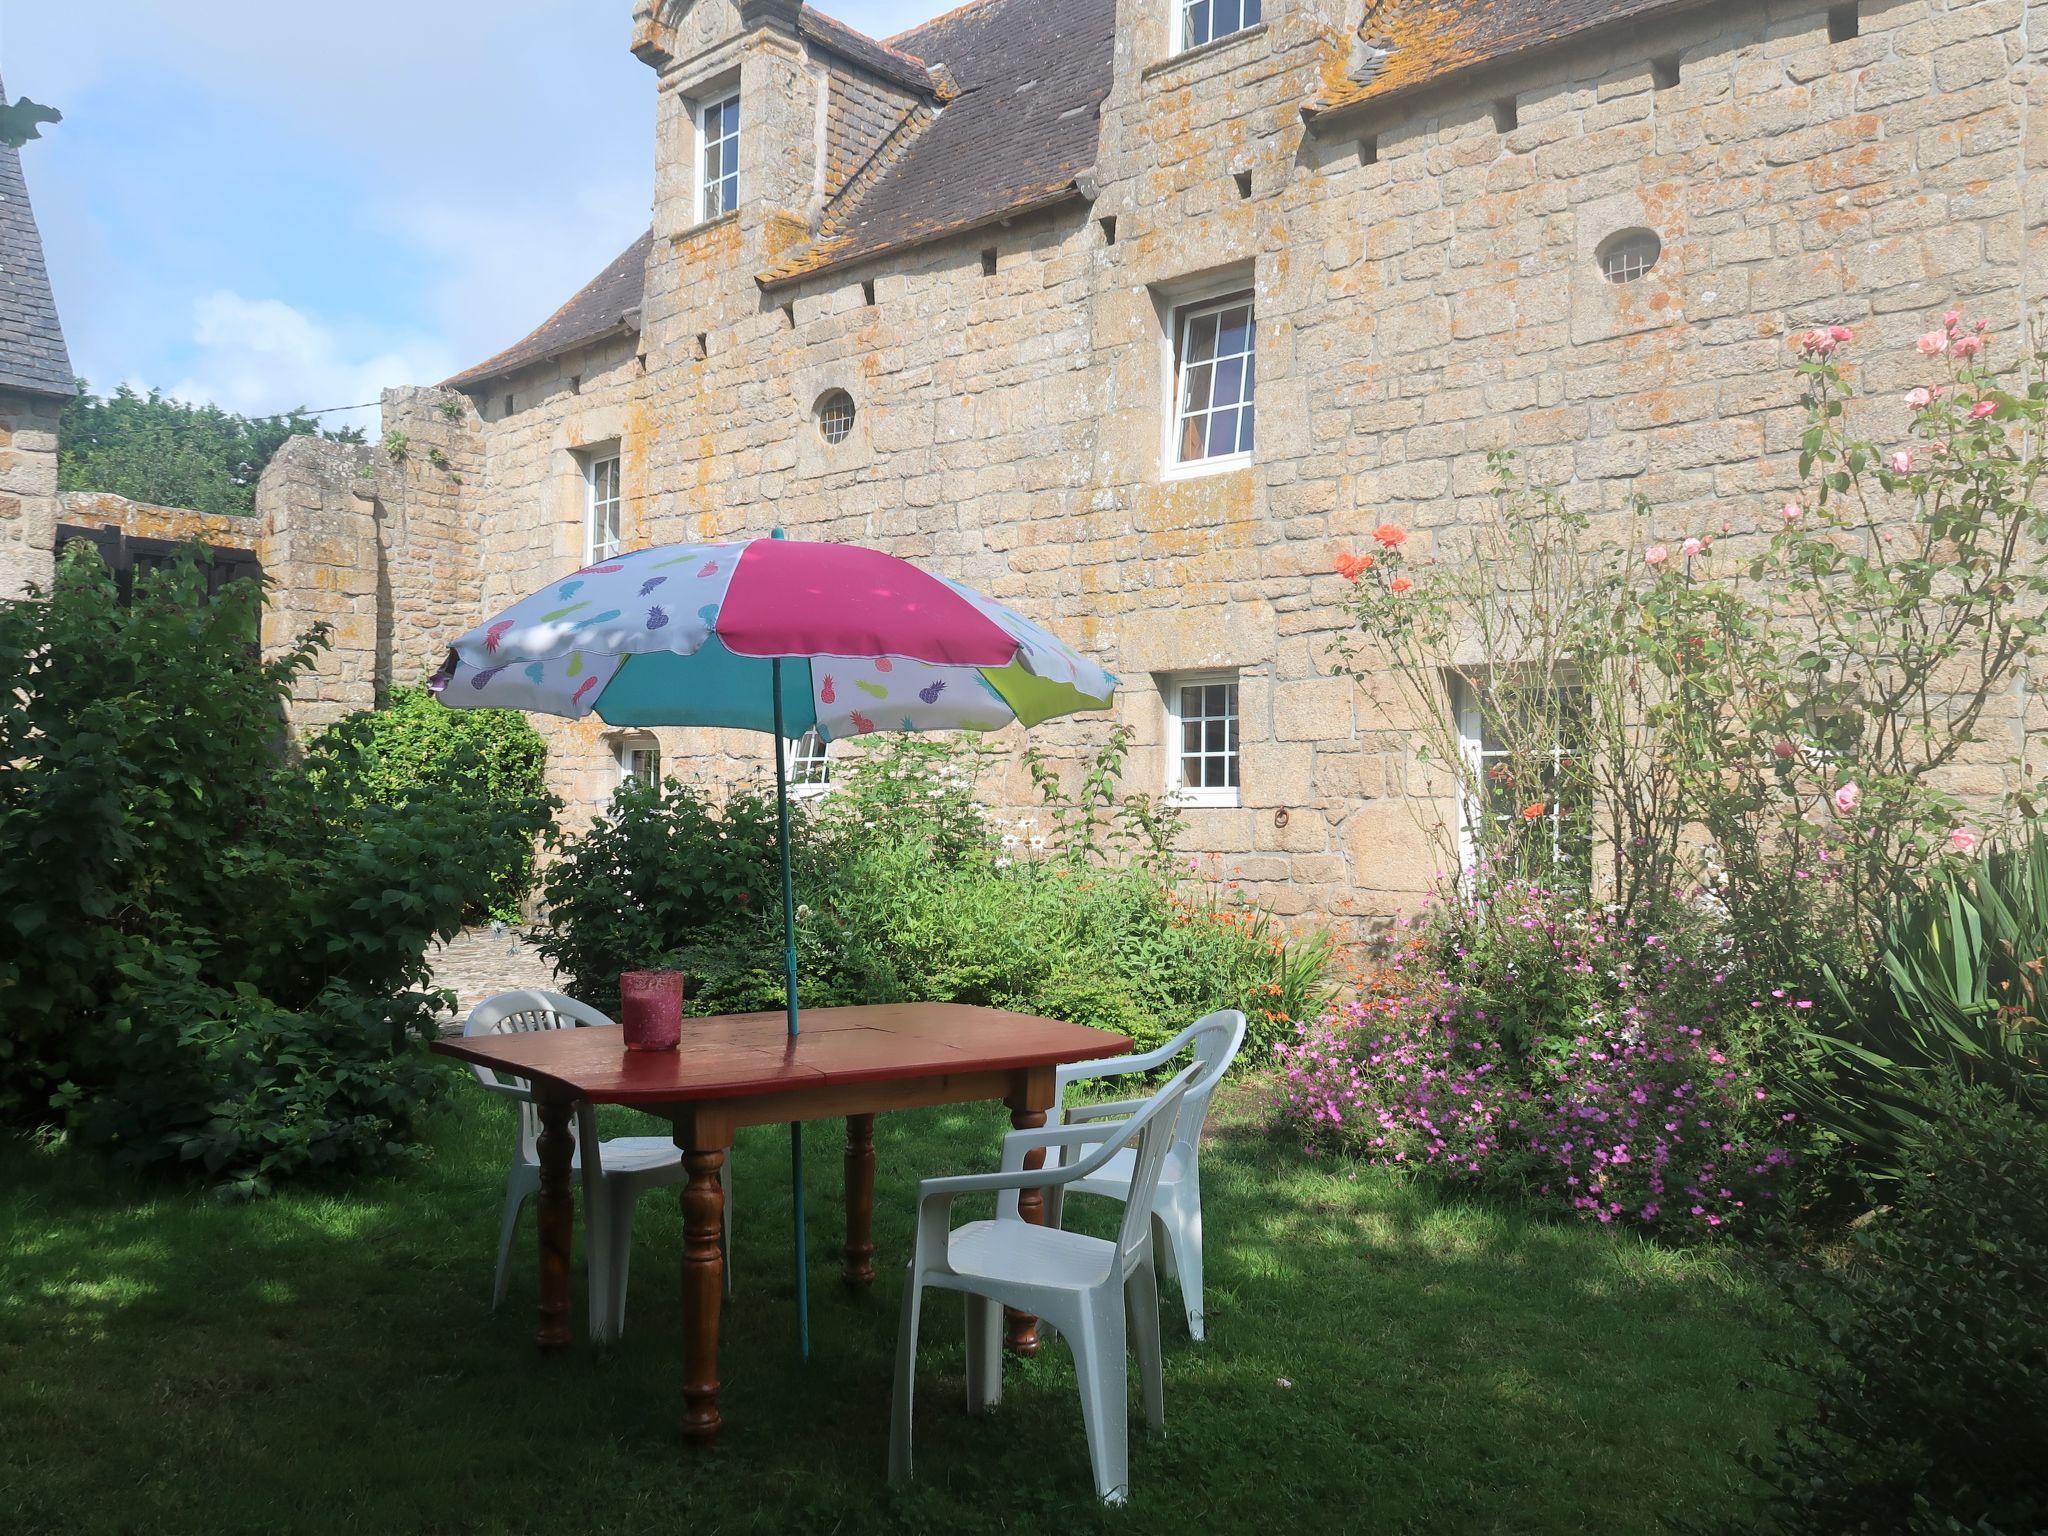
[{"x": 1378, "y": 1358}]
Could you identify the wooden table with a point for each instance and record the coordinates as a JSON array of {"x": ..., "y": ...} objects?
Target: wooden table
[{"x": 743, "y": 1069}]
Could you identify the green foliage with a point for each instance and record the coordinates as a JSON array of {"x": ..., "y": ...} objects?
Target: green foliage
[
  {"x": 215, "y": 952},
  {"x": 413, "y": 748},
  {"x": 1931, "y": 1395},
  {"x": 908, "y": 889},
  {"x": 1958, "y": 991},
  {"x": 153, "y": 449}
]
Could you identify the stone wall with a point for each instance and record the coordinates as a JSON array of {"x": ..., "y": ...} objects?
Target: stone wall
[
  {"x": 28, "y": 489},
  {"x": 316, "y": 508},
  {"x": 1426, "y": 291}
]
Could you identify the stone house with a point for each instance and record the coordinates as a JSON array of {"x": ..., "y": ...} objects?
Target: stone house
[{"x": 1136, "y": 313}]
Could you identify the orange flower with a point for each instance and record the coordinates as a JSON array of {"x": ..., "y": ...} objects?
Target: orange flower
[
  {"x": 1351, "y": 566},
  {"x": 1399, "y": 584},
  {"x": 1389, "y": 536},
  {"x": 1532, "y": 810}
]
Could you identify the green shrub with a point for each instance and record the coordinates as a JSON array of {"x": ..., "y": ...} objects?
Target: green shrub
[
  {"x": 908, "y": 889},
  {"x": 215, "y": 953},
  {"x": 1958, "y": 990},
  {"x": 413, "y": 747},
  {"x": 1932, "y": 1389}
]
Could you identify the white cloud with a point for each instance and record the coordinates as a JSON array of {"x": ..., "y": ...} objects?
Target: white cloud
[{"x": 260, "y": 356}]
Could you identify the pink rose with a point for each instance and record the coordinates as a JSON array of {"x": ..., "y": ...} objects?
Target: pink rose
[
  {"x": 1962, "y": 840},
  {"x": 1952, "y": 319},
  {"x": 1902, "y": 462},
  {"x": 1982, "y": 409},
  {"x": 1841, "y": 333},
  {"x": 1792, "y": 512},
  {"x": 1933, "y": 344},
  {"x": 1692, "y": 547},
  {"x": 1783, "y": 750},
  {"x": 1919, "y": 399},
  {"x": 1847, "y": 798},
  {"x": 1656, "y": 554},
  {"x": 1966, "y": 346}
]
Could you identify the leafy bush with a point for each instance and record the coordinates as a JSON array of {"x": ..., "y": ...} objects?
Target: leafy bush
[
  {"x": 909, "y": 889},
  {"x": 216, "y": 952},
  {"x": 413, "y": 747},
  {"x": 1931, "y": 1391},
  {"x": 1576, "y": 1057},
  {"x": 1958, "y": 990},
  {"x": 160, "y": 450}
]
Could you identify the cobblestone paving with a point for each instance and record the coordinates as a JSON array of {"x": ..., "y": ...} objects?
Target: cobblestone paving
[{"x": 480, "y": 961}]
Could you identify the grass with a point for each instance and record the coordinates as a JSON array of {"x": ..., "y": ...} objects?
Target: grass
[{"x": 1379, "y": 1359}]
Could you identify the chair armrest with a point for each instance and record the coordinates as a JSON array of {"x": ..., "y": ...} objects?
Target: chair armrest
[
  {"x": 508, "y": 1090},
  {"x": 1117, "y": 1109}
]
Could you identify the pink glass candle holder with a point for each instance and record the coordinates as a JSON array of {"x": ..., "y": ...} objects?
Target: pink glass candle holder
[{"x": 651, "y": 1009}]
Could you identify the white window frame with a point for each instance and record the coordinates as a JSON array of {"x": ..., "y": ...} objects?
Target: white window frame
[
  {"x": 1176, "y": 784},
  {"x": 729, "y": 144},
  {"x": 1185, "y": 24},
  {"x": 797, "y": 760},
  {"x": 629, "y": 750},
  {"x": 603, "y": 515},
  {"x": 1184, "y": 311},
  {"x": 1466, "y": 694}
]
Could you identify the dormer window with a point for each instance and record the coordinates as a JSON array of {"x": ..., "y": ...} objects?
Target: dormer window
[
  {"x": 718, "y": 177},
  {"x": 1204, "y": 21}
]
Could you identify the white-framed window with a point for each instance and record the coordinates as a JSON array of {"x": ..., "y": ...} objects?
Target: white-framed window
[
  {"x": 601, "y": 536},
  {"x": 1534, "y": 795},
  {"x": 718, "y": 160},
  {"x": 809, "y": 769},
  {"x": 1202, "y": 737},
  {"x": 1215, "y": 377},
  {"x": 639, "y": 761},
  {"x": 1203, "y": 21}
]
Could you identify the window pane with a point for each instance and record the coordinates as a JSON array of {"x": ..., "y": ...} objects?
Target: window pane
[
  {"x": 1228, "y": 388},
  {"x": 1244, "y": 432},
  {"x": 1226, "y": 14},
  {"x": 1198, "y": 24},
  {"x": 1201, "y": 339},
  {"x": 1191, "y": 440},
  {"x": 1195, "y": 393},
  {"x": 1252, "y": 12},
  {"x": 1235, "y": 332},
  {"x": 1191, "y": 735},
  {"x": 1222, "y": 433},
  {"x": 1215, "y": 737}
]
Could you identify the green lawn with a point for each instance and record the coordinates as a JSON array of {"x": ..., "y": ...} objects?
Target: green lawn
[{"x": 1379, "y": 1360}]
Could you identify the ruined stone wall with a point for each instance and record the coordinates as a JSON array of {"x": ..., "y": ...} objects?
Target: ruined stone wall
[
  {"x": 1426, "y": 291},
  {"x": 28, "y": 489},
  {"x": 315, "y": 504}
]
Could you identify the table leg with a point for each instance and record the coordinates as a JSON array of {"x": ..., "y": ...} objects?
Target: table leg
[
  {"x": 1022, "y": 1335},
  {"x": 703, "y": 1291},
  {"x": 860, "y": 1200},
  {"x": 555, "y": 1216}
]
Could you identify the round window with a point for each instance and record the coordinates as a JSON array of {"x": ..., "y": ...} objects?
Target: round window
[
  {"x": 1628, "y": 254},
  {"x": 835, "y": 415}
]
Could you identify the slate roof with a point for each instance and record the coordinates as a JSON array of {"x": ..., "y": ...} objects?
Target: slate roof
[
  {"x": 609, "y": 302},
  {"x": 878, "y": 58},
  {"x": 32, "y": 353},
  {"x": 1404, "y": 45},
  {"x": 1016, "y": 90},
  {"x": 1031, "y": 75}
]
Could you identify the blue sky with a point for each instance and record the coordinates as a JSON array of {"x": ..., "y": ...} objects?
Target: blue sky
[{"x": 269, "y": 205}]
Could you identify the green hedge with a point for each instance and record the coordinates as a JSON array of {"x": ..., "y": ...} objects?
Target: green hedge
[{"x": 413, "y": 749}]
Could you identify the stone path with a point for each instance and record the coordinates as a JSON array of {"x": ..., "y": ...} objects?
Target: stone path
[{"x": 480, "y": 961}]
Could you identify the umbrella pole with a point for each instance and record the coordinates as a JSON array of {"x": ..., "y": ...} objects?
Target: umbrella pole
[{"x": 796, "y": 1130}]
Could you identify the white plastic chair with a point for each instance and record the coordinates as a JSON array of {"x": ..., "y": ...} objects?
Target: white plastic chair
[
  {"x": 1083, "y": 1286},
  {"x": 615, "y": 1172},
  {"x": 1177, "y": 1202}
]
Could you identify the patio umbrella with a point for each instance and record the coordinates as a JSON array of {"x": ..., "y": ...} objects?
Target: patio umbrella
[{"x": 775, "y": 635}]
